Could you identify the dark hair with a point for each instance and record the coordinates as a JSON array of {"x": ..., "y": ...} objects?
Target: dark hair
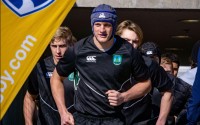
[{"x": 174, "y": 57}]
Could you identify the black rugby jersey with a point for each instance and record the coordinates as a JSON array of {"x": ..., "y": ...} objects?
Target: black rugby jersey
[
  {"x": 139, "y": 111},
  {"x": 181, "y": 91},
  {"x": 159, "y": 77},
  {"x": 101, "y": 71},
  {"x": 39, "y": 84}
]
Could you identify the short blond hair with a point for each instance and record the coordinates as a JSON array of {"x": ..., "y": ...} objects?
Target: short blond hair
[
  {"x": 65, "y": 33},
  {"x": 128, "y": 24}
]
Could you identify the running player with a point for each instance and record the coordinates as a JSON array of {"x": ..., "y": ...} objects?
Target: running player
[
  {"x": 138, "y": 112},
  {"x": 103, "y": 63},
  {"x": 39, "y": 91}
]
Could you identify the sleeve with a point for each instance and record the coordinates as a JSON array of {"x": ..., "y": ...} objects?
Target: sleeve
[
  {"x": 66, "y": 65},
  {"x": 159, "y": 78},
  {"x": 139, "y": 69},
  {"x": 33, "y": 82}
]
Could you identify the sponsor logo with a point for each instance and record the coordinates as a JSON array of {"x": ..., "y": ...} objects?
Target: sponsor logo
[
  {"x": 117, "y": 59},
  {"x": 91, "y": 59},
  {"x": 49, "y": 74},
  {"x": 26, "y": 7},
  {"x": 15, "y": 64},
  {"x": 101, "y": 15}
]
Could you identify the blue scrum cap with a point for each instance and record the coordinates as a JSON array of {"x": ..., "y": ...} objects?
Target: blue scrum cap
[{"x": 104, "y": 13}]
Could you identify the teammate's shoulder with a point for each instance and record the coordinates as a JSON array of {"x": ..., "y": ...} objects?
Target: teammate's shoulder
[
  {"x": 184, "y": 83},
  {"x": 172, "y": 77},
  {"x": 85, "y": 39},
  {"x": 150, "y": 62},
  {"x": 122, "y": 42},
  {"x": 119, "y": 38},
  {"x": 45, "y": 62},
  {"x": 49, "y": 58},
  {"x": 78, "y": 45}
]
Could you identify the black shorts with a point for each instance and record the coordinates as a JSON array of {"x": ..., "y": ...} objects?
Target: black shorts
[{"x": 83, "y": 119}]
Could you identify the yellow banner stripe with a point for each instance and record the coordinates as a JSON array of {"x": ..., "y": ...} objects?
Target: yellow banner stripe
[{"x": 23, "y": 40}]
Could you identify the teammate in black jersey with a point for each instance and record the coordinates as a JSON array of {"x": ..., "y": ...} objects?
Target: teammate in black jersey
[
  {"x": 39, "y": 83},
  {"x": 182, "y": 93},
  {"x": 104, "y": 63},
  {"x": 138, "y": 112},
  {"x": 181, "y": 90},
  {"x": 160, "y": 81}
]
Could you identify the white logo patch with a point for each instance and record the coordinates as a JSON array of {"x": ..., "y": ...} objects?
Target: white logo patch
[
  {"x": 91, "y": 59},
  {"x": 101, "y": 15},
  {"x": 48, "y": 74},
  {"x": 149, "y": 52},
  {"x": 26, "y": 7}
]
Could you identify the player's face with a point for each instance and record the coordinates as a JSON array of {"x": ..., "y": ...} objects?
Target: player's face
[
  {"x": 168, "y": 67},
  {"x": 131, "y": 37},
  {"x": 58, "y": 48},
  {"x": 102, "y": 31},
  {"x": 175, "y": 68}
]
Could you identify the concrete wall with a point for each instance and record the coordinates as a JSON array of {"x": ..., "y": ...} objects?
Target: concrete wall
[{"x": 158, "y": 4}]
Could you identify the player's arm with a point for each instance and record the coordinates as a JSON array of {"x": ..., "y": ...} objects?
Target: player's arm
[
  {"x": 57, "y": 89},
  {"x": 29, "y": 108},
  {"x": 165, "y": 85},
  {"x": 138, "y": 90},
  {"x": 165, "y": 107},
  {"x": 141, "y": 74}
]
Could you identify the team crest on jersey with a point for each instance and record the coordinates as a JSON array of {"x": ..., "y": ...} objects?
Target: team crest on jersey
[
  {"x": 117, "y": 59},
  {"x": 71, "y": 77},
  {"x": 26, "y": 7}
]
